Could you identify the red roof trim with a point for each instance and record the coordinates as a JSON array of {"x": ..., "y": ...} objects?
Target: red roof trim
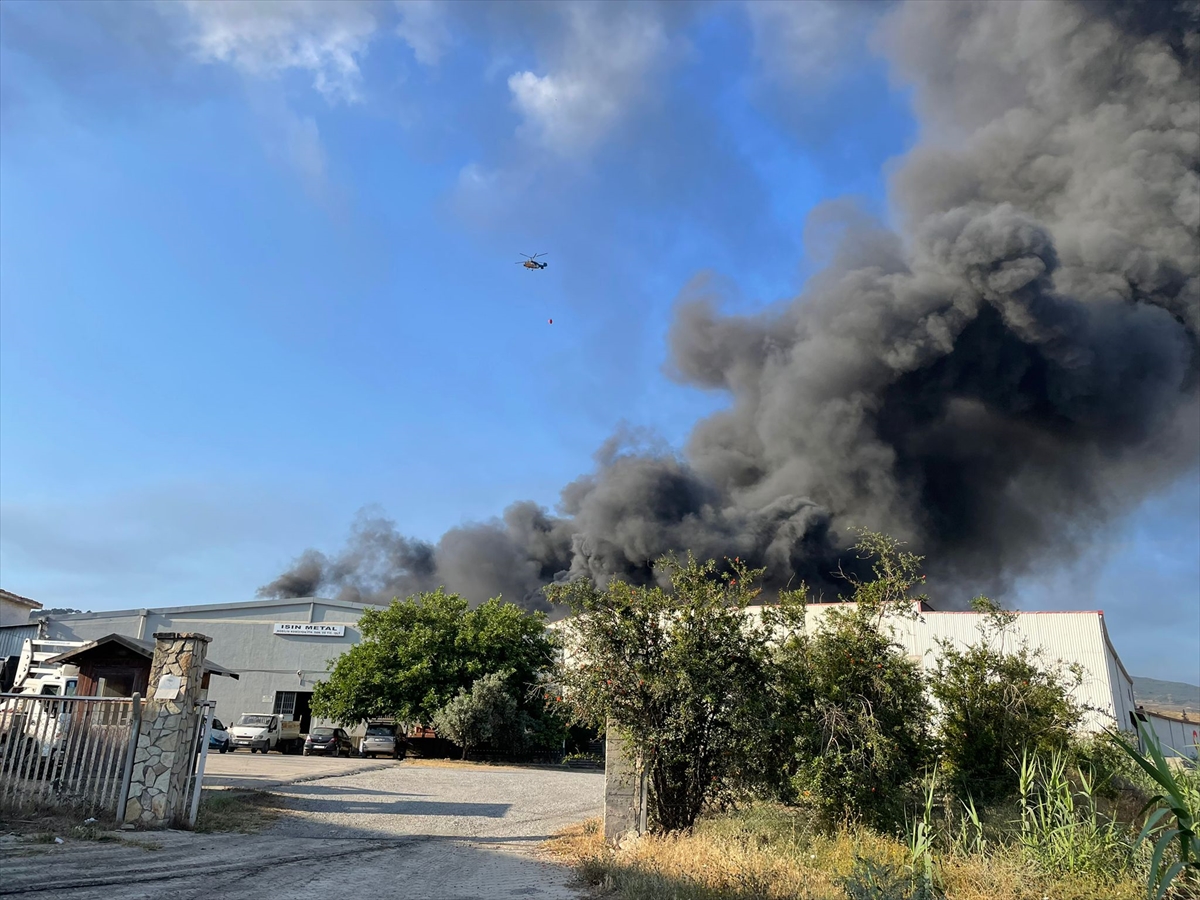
[
  {"x": 1020, "y": 612},
  {"x": 971, "y": 612}
]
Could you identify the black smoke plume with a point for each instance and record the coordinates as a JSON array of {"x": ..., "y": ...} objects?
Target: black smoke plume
[{"x": 1014, "y": 369}]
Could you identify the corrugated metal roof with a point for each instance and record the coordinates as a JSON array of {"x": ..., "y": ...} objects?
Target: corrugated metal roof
[
  {"x": 13, "y": 638},
  {"x": 210, "y": 607}
]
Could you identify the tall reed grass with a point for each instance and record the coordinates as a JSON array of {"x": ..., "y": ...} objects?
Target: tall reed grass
[{"x": 1062, "y": 830}]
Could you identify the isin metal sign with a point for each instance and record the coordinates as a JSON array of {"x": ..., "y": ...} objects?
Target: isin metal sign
[{"x": 317, "y": 629}]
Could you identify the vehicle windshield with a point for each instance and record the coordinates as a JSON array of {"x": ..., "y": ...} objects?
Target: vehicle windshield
[
  {"x": 381, "y": 731},
  {"x": 217, "y": 726},
  {"x": 255, "y": 721},
  {"x": 322, "y": 731}
]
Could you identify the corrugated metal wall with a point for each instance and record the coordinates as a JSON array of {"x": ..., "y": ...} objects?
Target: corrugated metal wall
[
  {"x": 1072, "y": 637},
  {"x": 13, "y": 637},
  {"x": 1069, "y": 638},
  {"x": 1177, "y": 738}
]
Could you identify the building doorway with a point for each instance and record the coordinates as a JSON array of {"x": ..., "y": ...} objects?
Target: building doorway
[{"x": 295, "y": 706}]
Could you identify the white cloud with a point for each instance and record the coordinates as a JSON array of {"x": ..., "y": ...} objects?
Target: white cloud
[
  {"x": 292, "y": 140},
  {"x": 423, "y": 27},
  {"x": 809, "y": 42},
  {"x": 265, "y": 38},
  {"x": 604, "y": 61}
]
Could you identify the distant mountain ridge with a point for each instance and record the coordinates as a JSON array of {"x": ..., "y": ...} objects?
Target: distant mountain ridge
[{"x": 1166, "y": 694}]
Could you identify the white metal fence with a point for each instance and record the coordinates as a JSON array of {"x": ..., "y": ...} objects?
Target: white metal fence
[{"x": 67, "y": 751}]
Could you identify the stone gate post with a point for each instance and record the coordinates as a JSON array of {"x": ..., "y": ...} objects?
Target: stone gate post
[
  {"x": 162, "y": 762},
  {"x": 622, "y": 793}
]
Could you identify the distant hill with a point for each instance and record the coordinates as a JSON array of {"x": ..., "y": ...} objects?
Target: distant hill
[{"x": 1166, "y": 694}]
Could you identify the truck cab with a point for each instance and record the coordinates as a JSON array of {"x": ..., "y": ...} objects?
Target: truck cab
[
  {"x": 263, "y": 732},
  {"x": 38, "y": 723}
]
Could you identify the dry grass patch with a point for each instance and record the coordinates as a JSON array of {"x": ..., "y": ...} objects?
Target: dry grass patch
[
  {"x": 768, "y": 853},
  {"x": 702, "y": 866},
  {"x": 242, "y": 811}
]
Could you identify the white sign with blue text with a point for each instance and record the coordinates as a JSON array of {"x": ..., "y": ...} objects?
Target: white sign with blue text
[{"x": 310, "y": 628}]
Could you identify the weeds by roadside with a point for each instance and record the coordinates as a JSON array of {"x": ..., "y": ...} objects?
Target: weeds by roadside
[
  {"x": 58, "y": 828},
  {"x": 769, "y": 852},
  {"x": 241, "y": 811}
]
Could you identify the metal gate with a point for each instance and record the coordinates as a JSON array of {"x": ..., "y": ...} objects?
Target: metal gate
[{"x": 74, "y": 752}]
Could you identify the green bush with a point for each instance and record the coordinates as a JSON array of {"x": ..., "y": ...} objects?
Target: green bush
[
  {"x": 870, "y": 880},
  {"x": 858, "y": 703},
  {"x": 417, "y": 654},
  {"x": 997, "y": 699},
  {"x": 685, "y": 677},
  {"x": 486, "y": 715}
]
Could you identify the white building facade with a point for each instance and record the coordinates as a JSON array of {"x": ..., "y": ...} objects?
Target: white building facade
[{"x": 15, "y": 610}]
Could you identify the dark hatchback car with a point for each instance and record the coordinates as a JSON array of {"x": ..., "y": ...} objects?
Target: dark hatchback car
[{"x": 329, "y": 741}]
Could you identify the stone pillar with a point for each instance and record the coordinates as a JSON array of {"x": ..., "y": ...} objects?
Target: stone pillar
[
  {"x": 162, "y": 762},
  {"x": 622, "y": 800}
]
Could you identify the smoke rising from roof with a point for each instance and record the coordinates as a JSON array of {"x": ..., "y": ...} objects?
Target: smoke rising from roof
[{"x": 1015, "y": 369}]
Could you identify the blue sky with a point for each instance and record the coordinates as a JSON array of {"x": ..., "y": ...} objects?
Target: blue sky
[{"x": 257, "y": 273}]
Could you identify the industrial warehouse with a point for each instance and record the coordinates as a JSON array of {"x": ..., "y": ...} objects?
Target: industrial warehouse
[{"x": 280, "y": 649}]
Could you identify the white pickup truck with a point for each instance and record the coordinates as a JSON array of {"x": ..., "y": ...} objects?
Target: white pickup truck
[{"x": 262, "y": 732}]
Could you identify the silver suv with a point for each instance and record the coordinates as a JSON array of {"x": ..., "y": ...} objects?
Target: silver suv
[{"x": 380, "y": 740}]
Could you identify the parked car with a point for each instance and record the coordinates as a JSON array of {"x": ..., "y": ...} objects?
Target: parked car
[
  {"x": 330, "y": 741},
  {"x": 380, "y": 740},
  {"x": 218, "y": 737}
]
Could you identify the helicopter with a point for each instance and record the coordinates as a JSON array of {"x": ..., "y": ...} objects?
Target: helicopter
[{"x": 530, "y": 262}]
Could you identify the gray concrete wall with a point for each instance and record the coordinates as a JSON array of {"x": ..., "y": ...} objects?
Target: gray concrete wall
[
  {"x": 622, "y": 790},
  {"x": 242, "y": 640}
]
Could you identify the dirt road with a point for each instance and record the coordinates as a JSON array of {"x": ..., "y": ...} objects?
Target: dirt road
[{"x": 402, "y": 832}]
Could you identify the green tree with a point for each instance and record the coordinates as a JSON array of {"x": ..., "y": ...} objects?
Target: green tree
[
  {"x": 487, "y": 714},
  {"x": 856, "y": 702},
  {"x": 418, "y": 653},
  {"x": 687, "y": 677},
  {"x": 998, "y": 700}
]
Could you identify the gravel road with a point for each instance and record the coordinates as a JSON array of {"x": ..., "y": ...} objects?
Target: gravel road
[
  {"x": 403, "y": 832},
  {"x": 254, "y": 771}
]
